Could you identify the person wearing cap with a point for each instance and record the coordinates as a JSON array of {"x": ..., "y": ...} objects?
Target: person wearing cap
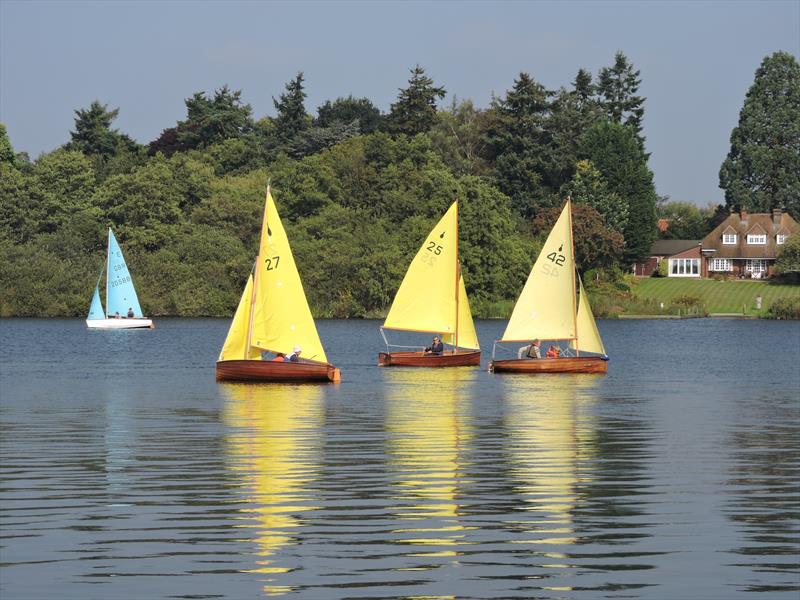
[
  {"x": 437, "y": 347},
  {"x": 531, "y": 351},
  {"x": 295, "y": 356}
]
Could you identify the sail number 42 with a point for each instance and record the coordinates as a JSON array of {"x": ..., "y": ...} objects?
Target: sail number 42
[{"x": 557, "y": 260}]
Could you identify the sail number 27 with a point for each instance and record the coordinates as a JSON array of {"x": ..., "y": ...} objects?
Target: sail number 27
[{"x": 272, "y": 263}]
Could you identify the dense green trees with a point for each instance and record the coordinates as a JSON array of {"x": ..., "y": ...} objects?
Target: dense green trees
[
  {"x": 762, "y": 169},
  {"x": 357, "y": 191}
]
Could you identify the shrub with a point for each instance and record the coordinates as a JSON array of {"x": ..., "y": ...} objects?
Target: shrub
[
  {"x": 784, "y": 308},
  {"x": 687, "y": 300}
]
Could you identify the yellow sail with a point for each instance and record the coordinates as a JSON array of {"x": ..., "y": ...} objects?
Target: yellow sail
[
  {"x": 588, "y": 335},
  {"x": 282, "y": 319},
  {"x": 426, "y": 300},
  {"x": 236, "y": 346},
  {"x": 546, "y": 307},
  {"x": 467, "y": 338}
]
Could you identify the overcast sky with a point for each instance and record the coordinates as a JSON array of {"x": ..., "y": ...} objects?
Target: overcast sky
[{"x": 697, "y": 61}]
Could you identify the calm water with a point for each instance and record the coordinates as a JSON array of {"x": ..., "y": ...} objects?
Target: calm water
[{"x": 127, "y": 472}]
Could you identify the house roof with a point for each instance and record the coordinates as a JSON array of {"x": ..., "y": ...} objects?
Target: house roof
[
  {"x": 670, "y": 247},
  {"x": 741, "y": 225}
]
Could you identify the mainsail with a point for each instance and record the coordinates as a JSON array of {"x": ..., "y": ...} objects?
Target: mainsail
[
  {"x": 546, "y": 307},
  {"x": 432, "y": 297},
  {"x": 120, "y": 293}
]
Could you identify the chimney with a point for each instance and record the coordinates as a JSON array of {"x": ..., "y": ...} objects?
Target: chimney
[
  {"x": 776, "y": 216},
  {"x": 743, "y": 214}
]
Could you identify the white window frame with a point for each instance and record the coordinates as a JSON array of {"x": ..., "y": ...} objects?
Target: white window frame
[
  {"x": 684, "y": 267},
  {"x": 781, "y": 238},
  {"x": 721, "y": 264},
  {"x": 757, "y": 238},
  {"x": 729, "y": 239},
  {"x": 755, "y": 265}
]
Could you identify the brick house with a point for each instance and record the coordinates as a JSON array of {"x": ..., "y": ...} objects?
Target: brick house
[
  {"x": 746, "y": 245},
  {"x": 673, "y": 251}
]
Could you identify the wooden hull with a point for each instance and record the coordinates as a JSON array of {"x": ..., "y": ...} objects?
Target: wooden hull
[
  {"x": 119, "y": 323},
  {"x": 420, "y": 359},
  {"x": 571, "y": 364},
  {"x": 268, "y": 371}
]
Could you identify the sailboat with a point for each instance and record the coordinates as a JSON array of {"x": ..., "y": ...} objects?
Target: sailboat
[
  {"x": 554, "y": 307},
  {"x": 121, "y": 298},
  {"x": 273, "y": 316},
  {"x": 432, "y": 299}
]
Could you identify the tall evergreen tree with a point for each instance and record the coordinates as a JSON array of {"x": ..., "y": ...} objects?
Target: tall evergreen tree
[
  {"x": 615, "y": 151},
  {"x": 762, "y": 170},
  {"x": 6, "y": 149},
  {"x": 518, "y": 142},
  {"x": 617, "y": 86},
  {"x": 347, "y": 110},
  {"x": 213, "y": 120},
  {"x": 292, "y": 117},
  {"x": 415, "y": 109},
  {"x": 93, "y": 134}
]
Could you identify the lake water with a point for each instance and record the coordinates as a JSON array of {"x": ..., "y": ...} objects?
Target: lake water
[{"x": 127, "y": 472}]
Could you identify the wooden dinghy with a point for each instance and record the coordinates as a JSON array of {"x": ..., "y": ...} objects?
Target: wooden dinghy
[
  {"x": 566, "y": 364},
  {"x": 266, "y": 370},
  {"x": 422, "y": 359},
  {"x": 433, "y": 299},
  {"x": 554, "y": 307},
  {"x": 273, "y": 317}
]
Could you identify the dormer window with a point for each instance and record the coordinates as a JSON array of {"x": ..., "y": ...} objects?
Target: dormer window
[
  {"x": 781, "y": 238},
  {"x": 729, "y": 239},
  {"x": 757, "y": 238}
]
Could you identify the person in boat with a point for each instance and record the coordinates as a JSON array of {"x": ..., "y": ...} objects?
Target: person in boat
[
  {"x": 279, "y": 357},
  {"x": 437, "y": 347},
  {"x": 130, "y": 312},
  {"x": 116, "y": 315},
  {"x": 294, "y": 356},
  {"x": 553, "y": 352},
  {"x": 531, "y": 351}
]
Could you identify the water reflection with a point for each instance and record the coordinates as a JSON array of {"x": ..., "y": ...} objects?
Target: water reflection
[
  {"x": 763, "y": 492},
  {"x": 547, "y": 445},
  {"x": 428, "y": 430},
  {"x": 275, "y": 446}
]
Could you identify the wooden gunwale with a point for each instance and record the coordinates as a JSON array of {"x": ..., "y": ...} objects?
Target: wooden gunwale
[
  {"x": 420, "y": 359},
  {"x": 270, "y": 371},
  {"x": 570, "y": 364}
]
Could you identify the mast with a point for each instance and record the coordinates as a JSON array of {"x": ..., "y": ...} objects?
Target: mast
[
  {"x": 264, "y": 228},
  {"x": 108, "y": 259},
  {"x": 458, "y": 280},
  {"x": 574, "y": 269}
]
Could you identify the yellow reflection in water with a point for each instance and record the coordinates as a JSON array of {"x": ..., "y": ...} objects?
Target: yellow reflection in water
[
  {"x": 275, "y": 448},
  {"x": 428, "y": 432},
  {"x": 548, "y": 445}
]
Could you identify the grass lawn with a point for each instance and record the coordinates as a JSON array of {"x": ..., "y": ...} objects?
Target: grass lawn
[{"x": 717, "y": 296}]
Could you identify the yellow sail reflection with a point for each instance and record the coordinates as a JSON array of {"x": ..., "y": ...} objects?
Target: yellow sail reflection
[
  {"x": 547, "y": 446},
  {"x": 275, "y": 447},
  {"x": 427, "y": 435}
]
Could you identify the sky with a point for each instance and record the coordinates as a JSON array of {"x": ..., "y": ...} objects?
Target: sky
[{"x": 696, "y": 61}]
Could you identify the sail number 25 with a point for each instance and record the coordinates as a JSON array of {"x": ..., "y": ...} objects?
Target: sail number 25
[
  {"x": 435, "y": 250},
  {"x": 272, "y": 263}
]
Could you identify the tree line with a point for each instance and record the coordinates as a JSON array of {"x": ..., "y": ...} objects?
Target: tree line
[{"x": 357, "y": 189}]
